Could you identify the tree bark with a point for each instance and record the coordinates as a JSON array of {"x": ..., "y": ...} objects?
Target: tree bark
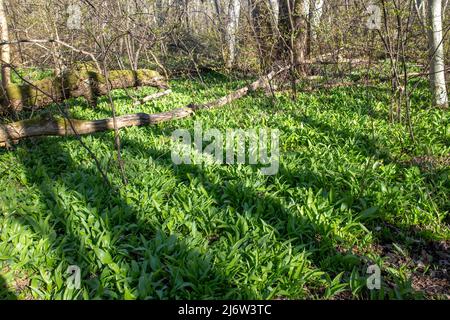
[
  {"x": 300, "y": 34},
  {"x": 294, "y": 31},
  {"x": 436, "y": 50},
  {"x": 275, "y": 12},
  {"x": 265, "y": 19},
  {"x": 316, "y": 16},
  {"x": 5, "y": 54},
  {"x": 232, "y": 28}
]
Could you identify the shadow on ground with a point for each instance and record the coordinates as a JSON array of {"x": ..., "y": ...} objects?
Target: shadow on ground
[{"x": 5, "y": 293}]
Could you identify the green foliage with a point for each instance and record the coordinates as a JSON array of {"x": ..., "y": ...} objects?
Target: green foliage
[
  {"x": 222, "y": 231},
  {"x": 31, "y": 74}
]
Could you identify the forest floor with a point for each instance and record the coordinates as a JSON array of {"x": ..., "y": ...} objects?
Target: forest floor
[{"x": 352, "y": 191}]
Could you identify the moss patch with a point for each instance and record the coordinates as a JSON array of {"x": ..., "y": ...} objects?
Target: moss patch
[{"x": 82, "y": 81}]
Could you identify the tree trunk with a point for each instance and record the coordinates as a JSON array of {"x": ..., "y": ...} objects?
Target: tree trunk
[
  {"x": 77, "y": 83},
  {"x": 232, "y": 28},
  {"x": 275, "y": 13},
  {"x": 316, "y": 16},
  {"x": 313, "y": 10},
  {"x": 300, "y": 34},
  {"x": 293, "y": 27},
  {"x": 436, "y": 50},
  {"x": 265, "y": 19},
  {"x": 5, "y": 49}
]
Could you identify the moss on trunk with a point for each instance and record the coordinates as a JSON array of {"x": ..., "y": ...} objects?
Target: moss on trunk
[{"x": 79, "y": 82}]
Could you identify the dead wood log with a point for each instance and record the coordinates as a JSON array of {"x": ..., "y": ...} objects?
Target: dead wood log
[
  {"x": 13, "y": 132},
  {"x": 81, "y": 82}
]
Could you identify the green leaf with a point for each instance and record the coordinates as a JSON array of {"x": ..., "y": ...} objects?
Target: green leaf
[{"x": 103, "y": 256}]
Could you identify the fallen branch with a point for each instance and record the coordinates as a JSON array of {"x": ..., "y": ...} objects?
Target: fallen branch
[
  {"x": 262, "y": 82},
  {"x": 153, "y": 97},
  {"x": 340, "y": 60},
  {"x": 13, "y": 132}
]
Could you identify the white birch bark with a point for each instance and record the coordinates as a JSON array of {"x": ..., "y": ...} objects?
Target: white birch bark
[
  {"x": 275, "y": 10},
  {"x": 316, "y": 16},
  {"x": 436, "y": 49},
  {"x": 231, "y": 30},
  {"x": 5, "y": 54}
]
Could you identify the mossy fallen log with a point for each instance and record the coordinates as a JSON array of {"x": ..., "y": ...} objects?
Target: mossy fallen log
[
  {"x": 81, "y": 82},
  {"x": 13, "y": 132}
]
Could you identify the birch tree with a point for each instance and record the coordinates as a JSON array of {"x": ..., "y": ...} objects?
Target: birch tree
[
  {"x": 316, "y": 15},
  {"x": 436, "y": 51},
  {"x": 5, "y": 54},
  {"x": 275, "y": 10},
  {"x": 231, "y": 30}
]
